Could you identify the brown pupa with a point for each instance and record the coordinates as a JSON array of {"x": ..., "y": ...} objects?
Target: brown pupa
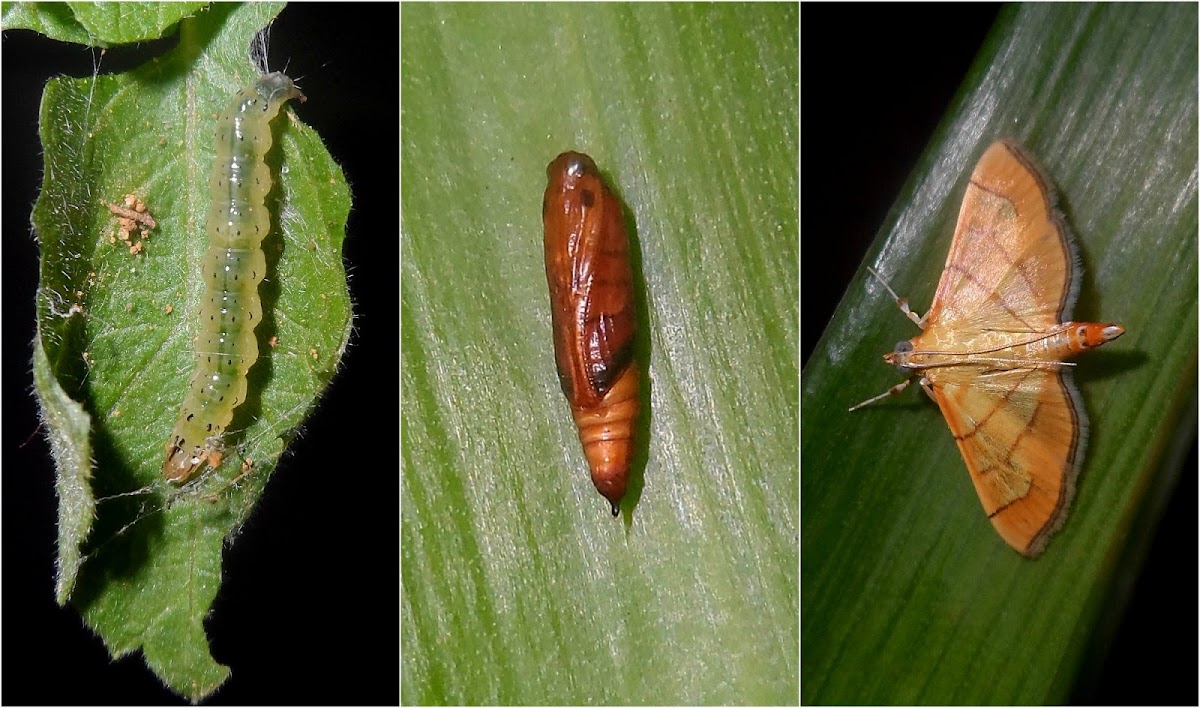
[{"x": 592, "y": 310}]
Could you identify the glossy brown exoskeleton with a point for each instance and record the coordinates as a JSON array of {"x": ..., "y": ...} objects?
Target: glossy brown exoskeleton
[{"x": 592, "y": 306}]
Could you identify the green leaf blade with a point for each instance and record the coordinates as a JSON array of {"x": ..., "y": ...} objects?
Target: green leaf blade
[
  {"x": 908, "y": 594},
  {"x": 117, "y": 331}
]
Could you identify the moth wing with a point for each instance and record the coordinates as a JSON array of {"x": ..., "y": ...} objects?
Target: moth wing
[
  {"x": 603, "y": 283},
  {"x": 587, "y": 267},
  {"x": 1022, "y": 434},
  {"x": 1011, "y": 266}
]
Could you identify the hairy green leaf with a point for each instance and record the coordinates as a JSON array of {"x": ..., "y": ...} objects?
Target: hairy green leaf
[
  {"x": 518, "y": 587},
  {"x": 100, "y": 24},
  {"x": 115, "y": 332}
]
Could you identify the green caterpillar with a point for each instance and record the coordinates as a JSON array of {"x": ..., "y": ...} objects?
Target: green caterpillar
[{"x": 234, "y": 265}]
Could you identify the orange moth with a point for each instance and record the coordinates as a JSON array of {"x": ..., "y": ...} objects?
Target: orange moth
[
  {"x": 992, "y": 347},
  {"x": 592, "y": 313}
]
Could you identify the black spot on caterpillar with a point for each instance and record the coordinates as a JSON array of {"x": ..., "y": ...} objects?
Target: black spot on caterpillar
[{"x": 232, "y": 268}]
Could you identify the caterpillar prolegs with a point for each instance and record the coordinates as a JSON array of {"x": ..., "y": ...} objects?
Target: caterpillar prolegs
[
  {"x": 232, "y": 268},
  {"x": 592, "y": 310}
]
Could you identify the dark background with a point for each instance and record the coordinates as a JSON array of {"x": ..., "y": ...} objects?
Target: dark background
[
  {"x": 308, "y": 610},
  {"x": 875, "y": 81}
]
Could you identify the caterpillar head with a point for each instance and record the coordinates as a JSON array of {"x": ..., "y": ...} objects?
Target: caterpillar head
[{"x": 277, "y": 88}]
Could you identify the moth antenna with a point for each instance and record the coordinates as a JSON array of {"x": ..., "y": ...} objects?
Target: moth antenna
[
  {"x": 891, "y": 391},
  {"x": 901, "y": 302}
]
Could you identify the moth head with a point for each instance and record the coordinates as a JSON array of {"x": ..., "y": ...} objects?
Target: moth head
[{"x": 898, "y": 357}]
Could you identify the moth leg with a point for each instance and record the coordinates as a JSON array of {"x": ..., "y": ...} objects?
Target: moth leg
[
  {"x": 901, "y": 302},
  {"x": 928, "y": 386},
  {"x": 893, "y": 390}
]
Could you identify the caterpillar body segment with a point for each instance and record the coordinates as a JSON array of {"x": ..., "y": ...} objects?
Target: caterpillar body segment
[{"x": 232, "y": 268}]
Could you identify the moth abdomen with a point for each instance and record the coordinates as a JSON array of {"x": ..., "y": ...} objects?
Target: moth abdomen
[
  {"x": 606, "y": 431},
  {"x": 231, "y": 269}
]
